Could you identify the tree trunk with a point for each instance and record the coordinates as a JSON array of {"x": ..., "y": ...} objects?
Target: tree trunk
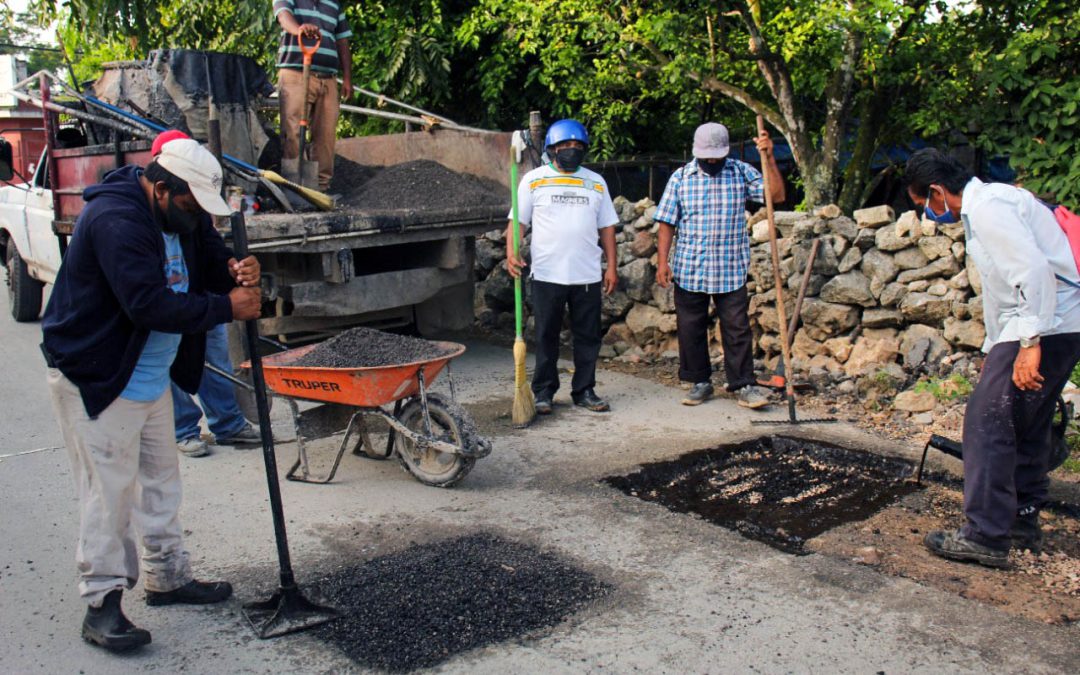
[{"x": 872, "y": 115}]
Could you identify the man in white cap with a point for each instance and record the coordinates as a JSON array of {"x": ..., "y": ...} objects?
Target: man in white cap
[
  {"x": 705, "y": 204},
  {"x": 144, "y": 277}
]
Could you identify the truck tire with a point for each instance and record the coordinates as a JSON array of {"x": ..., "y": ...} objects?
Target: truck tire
[{"x": 24, "y": 291}]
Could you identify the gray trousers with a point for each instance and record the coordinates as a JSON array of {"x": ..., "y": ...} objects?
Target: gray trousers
[
  {"x": 1007, "y": 438},
  {"x": 127, "y": 476}
]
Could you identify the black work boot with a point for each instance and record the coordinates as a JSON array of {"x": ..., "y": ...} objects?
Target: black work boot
[
  {"x": 192, "y": 593},
  {"x": 589, "y": 400},
  {"x": 1025, "y": 531},
  {"x": 955, "y": 546},
  {"x": 107, "y": 627}
]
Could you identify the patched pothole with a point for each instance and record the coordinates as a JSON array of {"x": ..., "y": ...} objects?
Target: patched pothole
[
  {"x": 421, "y": 606},
  {"x": 775, "y": 489}
]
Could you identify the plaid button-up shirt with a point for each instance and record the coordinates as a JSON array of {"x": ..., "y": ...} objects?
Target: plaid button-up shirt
[{"x": 712, "y": 247}]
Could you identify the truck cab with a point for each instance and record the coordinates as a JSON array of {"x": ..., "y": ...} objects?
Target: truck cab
[{"x": 30, "y": 246}]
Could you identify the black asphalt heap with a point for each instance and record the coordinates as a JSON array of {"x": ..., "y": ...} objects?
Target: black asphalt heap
[
  {"x": 775, "y": 489},
  {"x": 419, "y": 607},
  {"x": 369, "y": 348},
  {"x": 417, "y": 185}
]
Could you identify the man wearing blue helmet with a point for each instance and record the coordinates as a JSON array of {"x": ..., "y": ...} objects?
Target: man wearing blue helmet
[{"x": 572, "y": 218}]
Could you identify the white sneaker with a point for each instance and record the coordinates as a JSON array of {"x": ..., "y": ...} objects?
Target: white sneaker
[{"x": 193, "y": 447}]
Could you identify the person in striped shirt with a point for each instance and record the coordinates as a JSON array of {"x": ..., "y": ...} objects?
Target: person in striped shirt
[{"x": 314, "y": 20}]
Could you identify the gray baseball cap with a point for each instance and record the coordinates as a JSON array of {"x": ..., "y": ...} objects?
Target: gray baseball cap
[{"x": 711, "y": 141}]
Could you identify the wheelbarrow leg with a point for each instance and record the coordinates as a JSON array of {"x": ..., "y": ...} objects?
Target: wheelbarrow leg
[
  {"x": 424, "y": 403},
  {"x": 392, "y": 436},
  {"x": 355, "y": 422}
]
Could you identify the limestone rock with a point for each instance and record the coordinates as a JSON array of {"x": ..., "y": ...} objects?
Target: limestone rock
[
  {"x": 664, "y": 298},
  {"x": 868, "y": 355},
  {"x": 911, "y": 258},
  {"x": 498, "y": 289},
  {"x": 879, "y": 266},
  {"x": 839, "y": 244},
  {"x": 927, "y": 227},
  {"x": 828, "y": 211},
  {"x": 875, "y": 216},
  {"x": 886, "y": 239},
  {"x": 880, "y": 317},
  {"x": 852, "y": 288},
  {"x": 918, "y": 286},
  {"x": 643, "y": 319},
  {"x": 824, "y": 263},
  {"x": 642, "y": 204},
  {"x": 804, "y": 347},
  {"x": 954, "y": 231},
  {"x": 915, "y": 401},
  {"x": 644, "y": 245},
  {"x": 839, "y": 348},
  {"x": 960, "y": 281},
  {"x": 907, "y": 224},
  {"x": 616, "y": 305},
  {"x": 942, "y": 267},
  {"x": 488, "y": 255},
  {"x": 921, "y": 344},
  {"x": 938, "y": 288},
  {"x": 892, "y": 295},
  {"x": 637, "y": 278},
  {"x": 619, "y": 332},
  {"x": 845, "y": 227},
  {"x": 973, "y": 275},
  {"x": 936, "y": 247},
  {"x": 850, "y": 260},
  {"x": 924, "y": 308},
  {"x": 975, "y": 306},
  {"x": 958, "y": 250},
  {"x": 864, "y": 241},
  {"x": 827, "y": 318},
  {"x": 805, "y": 229},
  {"x": 759, "y": 231},
  {"x": 965, "y": 333},
  {"x": 813, "y": 284}
]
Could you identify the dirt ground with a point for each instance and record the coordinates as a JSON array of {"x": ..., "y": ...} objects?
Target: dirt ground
[{"x": 1043, "y": 587}]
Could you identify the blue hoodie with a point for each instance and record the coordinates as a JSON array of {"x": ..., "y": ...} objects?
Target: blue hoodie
[{"x": 111, "y": 292}]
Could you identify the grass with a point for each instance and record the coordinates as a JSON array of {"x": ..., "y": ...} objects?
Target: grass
[{"x": 946, "y": 388}]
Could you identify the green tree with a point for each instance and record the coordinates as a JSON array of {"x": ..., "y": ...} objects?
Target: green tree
[{"x": 17, "y": 36}]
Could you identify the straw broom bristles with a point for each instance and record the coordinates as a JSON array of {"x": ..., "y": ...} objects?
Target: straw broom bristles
[{"x": 524, "y": 405}]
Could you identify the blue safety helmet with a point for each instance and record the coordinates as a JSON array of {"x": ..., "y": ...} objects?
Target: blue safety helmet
[{"x": 566, "y": 130}]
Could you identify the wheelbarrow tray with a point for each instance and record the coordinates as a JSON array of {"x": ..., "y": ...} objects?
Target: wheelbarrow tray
[{"x": 360, "y": 387}]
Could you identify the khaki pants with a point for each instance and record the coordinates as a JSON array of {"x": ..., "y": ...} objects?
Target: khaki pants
[
  {"x": 127, "y": 475},
  {"x": 322, "y": 102}
]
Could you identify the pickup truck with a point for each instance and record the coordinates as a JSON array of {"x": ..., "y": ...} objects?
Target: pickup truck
[{"x": 323, "y": 271}]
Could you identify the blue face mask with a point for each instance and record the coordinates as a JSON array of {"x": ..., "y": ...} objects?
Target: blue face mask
[{"x": 944, "y": 218}]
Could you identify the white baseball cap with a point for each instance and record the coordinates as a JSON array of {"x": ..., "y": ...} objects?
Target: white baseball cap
[
  {"x": 711, "y": 141},
  {"x": 189, "y": 161}
]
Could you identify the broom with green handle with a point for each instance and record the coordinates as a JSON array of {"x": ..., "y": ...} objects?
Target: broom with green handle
[{"x": 524, "y": 405}]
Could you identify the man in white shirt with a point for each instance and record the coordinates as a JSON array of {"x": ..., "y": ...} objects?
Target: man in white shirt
[
  {"x": 573, "y": 221},
  {"x": 1031, "y": 305}
]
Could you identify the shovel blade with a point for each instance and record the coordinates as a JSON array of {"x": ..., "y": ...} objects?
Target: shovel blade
[{"x": 287, "y": 611}]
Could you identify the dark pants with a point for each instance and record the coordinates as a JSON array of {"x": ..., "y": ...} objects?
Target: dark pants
[
  {"x": 1007, "y": 438},
  {"x": 692, "y": 316},
  {"x": 549, "y": 302}
]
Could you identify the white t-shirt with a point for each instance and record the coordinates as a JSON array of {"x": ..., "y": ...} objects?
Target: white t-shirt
[{"x": 567, "y": 211}]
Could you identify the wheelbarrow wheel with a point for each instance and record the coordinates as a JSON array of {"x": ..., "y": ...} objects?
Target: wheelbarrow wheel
[{"x": 449, "y": 423}]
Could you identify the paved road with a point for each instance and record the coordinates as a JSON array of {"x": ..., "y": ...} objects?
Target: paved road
[{"x": 690, "y": 597}]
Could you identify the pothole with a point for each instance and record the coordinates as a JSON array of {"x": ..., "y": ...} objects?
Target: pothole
[
  {"x": 421, "y": 606},
  {"x": 775, "y": 489}
]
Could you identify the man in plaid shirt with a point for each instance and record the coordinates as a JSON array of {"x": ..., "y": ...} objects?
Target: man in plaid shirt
[{"x": 705, "y": 203}]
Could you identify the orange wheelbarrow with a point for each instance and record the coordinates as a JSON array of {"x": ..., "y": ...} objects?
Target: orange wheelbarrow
[{"x": 433, "y": 437}]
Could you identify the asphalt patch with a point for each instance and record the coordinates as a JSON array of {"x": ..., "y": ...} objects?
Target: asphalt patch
[
  {"x": 369, "y": 348},
  {"x": 427, "y": 603},
  {"x": 775, "y": 489}
]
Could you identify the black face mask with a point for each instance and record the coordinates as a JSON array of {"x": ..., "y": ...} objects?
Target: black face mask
[
  {"x": 569, "y": 159},
  {"x": 712, "y": 168},
  {"x": 176, "y": 220}
]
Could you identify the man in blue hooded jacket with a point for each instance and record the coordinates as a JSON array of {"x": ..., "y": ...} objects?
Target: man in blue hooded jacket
[{"x": 143, "y": 279}]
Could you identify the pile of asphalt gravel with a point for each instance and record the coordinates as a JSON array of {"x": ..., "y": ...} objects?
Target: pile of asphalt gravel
[
  {"x": 418, "y": 185},
  {"x": 369, "y": 348},
  {"x": 419, "y": 607}
]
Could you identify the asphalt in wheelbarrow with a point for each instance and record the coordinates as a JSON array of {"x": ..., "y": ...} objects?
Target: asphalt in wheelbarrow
[{"x": 369, "y": 348}]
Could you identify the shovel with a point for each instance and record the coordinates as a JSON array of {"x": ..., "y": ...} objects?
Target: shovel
[
  {"x": 287, "y": 610},
  {"x": 301, "y": 170}
]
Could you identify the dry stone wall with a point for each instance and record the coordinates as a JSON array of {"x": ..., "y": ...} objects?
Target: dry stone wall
[{"x": 884, "y": 294}]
